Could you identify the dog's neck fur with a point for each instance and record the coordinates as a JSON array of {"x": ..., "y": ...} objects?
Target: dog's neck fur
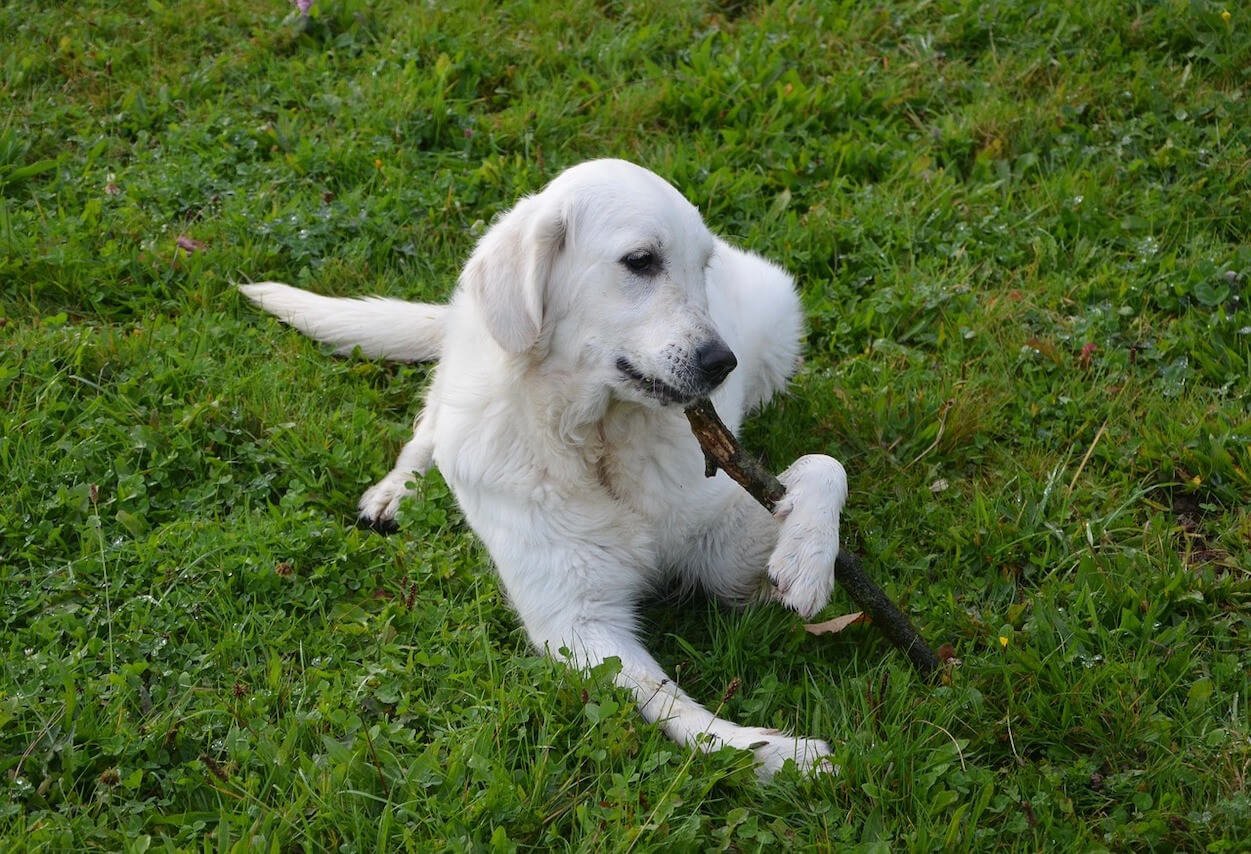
[
  {"x": 563, "y": 408},
  {"x": 571, "y": 413},
  {"x": 582, "y": 425}
]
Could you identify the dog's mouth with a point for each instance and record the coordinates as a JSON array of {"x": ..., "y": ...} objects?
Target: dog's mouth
[{"x": 654, "y": 388}]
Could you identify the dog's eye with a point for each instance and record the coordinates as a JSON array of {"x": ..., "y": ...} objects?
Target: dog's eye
[{"x": 642, "y": 262}]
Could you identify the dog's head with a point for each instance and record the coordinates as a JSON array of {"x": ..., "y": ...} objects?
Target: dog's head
[{"x": 603, "y": 275}]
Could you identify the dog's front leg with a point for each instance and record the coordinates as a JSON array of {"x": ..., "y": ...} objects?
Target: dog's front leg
[
  {"x": 801, "y": 565},
  {"x": 587, "y": 642},
  {"x": 747, "y": 554},
  {"x": 577, "y": 601}
]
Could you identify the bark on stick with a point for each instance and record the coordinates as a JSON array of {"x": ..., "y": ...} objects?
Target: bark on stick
[{"x": 723, "y": 451}]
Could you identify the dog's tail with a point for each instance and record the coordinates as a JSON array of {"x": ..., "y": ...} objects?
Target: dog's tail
[{"x": 382, "y": 328}]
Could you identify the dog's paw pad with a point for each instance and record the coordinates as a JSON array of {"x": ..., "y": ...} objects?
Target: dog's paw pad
[{"x": 377, "y": 525}]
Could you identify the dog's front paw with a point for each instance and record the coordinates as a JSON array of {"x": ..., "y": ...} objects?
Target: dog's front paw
[
  {"x": 381, "y": 501},
  {"x": 772, "y": 748},
  {"x": 802, "y": 564}
]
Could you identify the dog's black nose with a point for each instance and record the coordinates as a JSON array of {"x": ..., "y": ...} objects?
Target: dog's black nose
[{"x": 715, "y": 361}]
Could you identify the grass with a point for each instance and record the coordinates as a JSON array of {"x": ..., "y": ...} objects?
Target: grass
[{"x": 1021, "y": 235}]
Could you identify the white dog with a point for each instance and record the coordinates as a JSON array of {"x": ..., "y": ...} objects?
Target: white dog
[{"x": 587, "y": 317}]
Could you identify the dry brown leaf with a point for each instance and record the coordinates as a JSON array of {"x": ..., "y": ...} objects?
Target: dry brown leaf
[
  {"x": 836, "y": 625},
  {"x": 1045, "y": 348},
  {"x": 189, "y": 244}
]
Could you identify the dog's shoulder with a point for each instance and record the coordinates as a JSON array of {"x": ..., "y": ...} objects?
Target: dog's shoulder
[{"x": 755, "y": 304}]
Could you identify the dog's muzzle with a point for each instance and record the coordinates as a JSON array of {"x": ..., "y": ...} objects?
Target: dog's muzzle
[{"x": 710, "y": 365}]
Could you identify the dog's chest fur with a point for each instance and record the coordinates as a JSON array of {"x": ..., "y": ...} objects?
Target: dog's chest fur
[{"x": 650, "y": 465}]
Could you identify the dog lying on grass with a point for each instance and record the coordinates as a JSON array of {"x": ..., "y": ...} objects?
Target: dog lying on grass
[{"x": 587, "y": 317}]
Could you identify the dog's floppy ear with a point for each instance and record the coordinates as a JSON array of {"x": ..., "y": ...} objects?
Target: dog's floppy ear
[{"x": 508, "y": 271}]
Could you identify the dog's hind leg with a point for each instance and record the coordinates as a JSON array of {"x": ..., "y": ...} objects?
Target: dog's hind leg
[
  {"x": 728, "y": 561},
  {"x": 381, "y": 501}
]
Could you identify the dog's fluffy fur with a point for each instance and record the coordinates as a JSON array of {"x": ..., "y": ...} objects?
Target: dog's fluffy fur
[{"x": 586, "y": 318}]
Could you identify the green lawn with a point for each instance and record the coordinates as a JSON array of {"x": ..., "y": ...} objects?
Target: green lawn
[{"x": 1022, "y": 235}]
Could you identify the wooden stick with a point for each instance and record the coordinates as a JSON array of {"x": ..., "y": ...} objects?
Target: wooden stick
[{"x": 723, "y": 451}]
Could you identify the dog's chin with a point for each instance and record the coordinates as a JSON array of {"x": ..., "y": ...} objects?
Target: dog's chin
[{"x": 649, "y": 390}]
